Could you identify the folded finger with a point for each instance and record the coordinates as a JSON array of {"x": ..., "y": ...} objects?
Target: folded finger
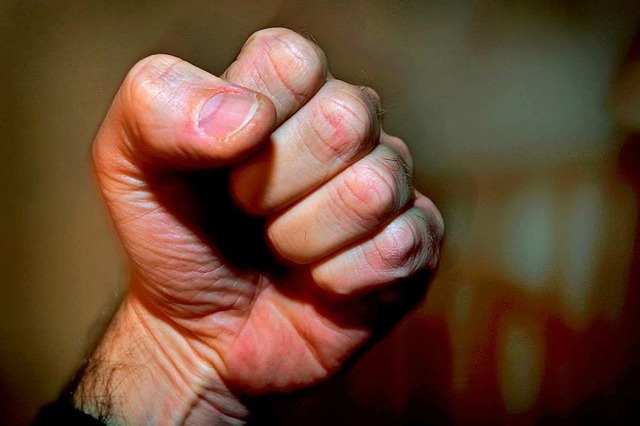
[
  {"x": 353, "y": 204},
  {"x": 407, "y": 244},
  {"x": 335, "y": 129},
  {"x": 282, "y": 65}
]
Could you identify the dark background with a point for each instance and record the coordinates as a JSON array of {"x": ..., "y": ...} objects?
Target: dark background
[{"x": 506, "y": 106}]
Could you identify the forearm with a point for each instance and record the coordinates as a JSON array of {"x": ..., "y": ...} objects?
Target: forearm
[{"x": 146, "y": 372}]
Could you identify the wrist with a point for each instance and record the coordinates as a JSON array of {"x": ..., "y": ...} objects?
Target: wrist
[{"x": 145, "y": 371}]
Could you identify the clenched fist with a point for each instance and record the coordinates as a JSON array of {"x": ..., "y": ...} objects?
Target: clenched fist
[{"x": 271, "y": 226}]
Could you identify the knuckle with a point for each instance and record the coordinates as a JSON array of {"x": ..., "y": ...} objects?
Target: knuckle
[
  {"x": 437, "y": 229},
  {"x": 268, "y": 34},
  {"x": 354, "y": 98},
  {"x": 400, "y": 146},
  {"x": 369, "y": 193},
  {"x": 356, "y": 103},
  {"x": 294, "y": 60},
  {"x": 144, "y": 81},
  {"x": 342, "y": 126},
  {"x": 431, "y": 256},
  {"x": 308, "y": 53},
  {"x": 430, "y": 229},
  {"x": 147, "y": 87},
  {"x": 373, "y": 100},
  {"x": 399, "y": 249},
  {"x": 398, "y": 173},
  {"x": 435, "y": 224}
]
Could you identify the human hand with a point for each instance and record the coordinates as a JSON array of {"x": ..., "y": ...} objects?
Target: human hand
[{"x": 223, "y": 304}]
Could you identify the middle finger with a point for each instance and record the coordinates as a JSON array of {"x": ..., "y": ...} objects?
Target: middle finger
[
  {"x": 345, "y": 209},
  {"x": 335, "y": 129}
]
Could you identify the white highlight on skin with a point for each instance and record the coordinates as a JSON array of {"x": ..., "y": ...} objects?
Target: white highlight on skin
[{"x": 520, "y": 366}]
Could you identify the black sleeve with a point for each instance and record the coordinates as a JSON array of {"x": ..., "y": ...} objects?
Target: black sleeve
[{"x": 62, "y": 412}]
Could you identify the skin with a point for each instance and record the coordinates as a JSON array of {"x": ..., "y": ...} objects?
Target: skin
[{"x": 264, "y": 251}]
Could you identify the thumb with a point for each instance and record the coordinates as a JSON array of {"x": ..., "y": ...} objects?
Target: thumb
[{"x": 171, "y": 113}]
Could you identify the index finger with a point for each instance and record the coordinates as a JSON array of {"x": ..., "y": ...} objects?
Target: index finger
[{"x": 282, "y": 65}]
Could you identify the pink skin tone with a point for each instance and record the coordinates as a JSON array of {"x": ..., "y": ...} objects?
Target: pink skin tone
[{"x": 306, "y": 154}]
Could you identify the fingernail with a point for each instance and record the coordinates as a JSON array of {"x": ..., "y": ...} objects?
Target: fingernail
[{"x": 226, "y": 113}]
